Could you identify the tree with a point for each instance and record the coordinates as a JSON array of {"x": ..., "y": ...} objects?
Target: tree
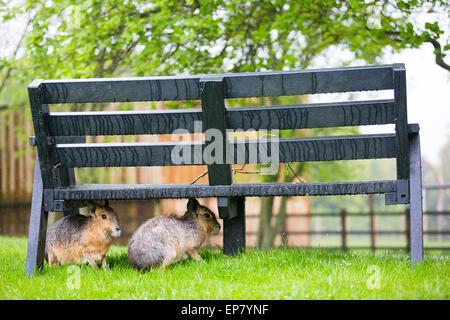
[
  {"x": 93, "y": 38},
  {"x": 96, "y": 38}
]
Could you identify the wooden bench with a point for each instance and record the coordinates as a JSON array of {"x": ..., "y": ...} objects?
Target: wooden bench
[{"x": 60, "y": 140}]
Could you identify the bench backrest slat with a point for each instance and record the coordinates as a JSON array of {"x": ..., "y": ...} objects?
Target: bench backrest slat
[
  {"x": 51, "y": 126},
  {"x": 291, "y": 150},
  {"x": 239, "y": 85},
  {"x": 245, "y": 118}
]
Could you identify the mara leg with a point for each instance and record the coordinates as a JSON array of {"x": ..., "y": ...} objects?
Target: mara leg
[
  {"x": 194, "y": 254},
  {"x": 90, "y": 260},
  {"x": 104, "y": 264},
  {"x": 170, "y": 258},
  {"x": 52, "y": 259}
]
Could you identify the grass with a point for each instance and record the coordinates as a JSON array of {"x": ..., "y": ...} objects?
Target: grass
[{"x": 270, "y": 274}]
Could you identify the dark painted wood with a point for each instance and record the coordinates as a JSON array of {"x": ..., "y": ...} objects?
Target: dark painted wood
[
  {"x": 65, "y": 177},
  {"x": 123, "y": 122},
  {"x": 401, "y": 124},
  {"x": 231, "y": 210},
  {"x": 38, "y": 225},
  {"x": 408, "y": 230},
  {"x": 234, "y": 229},
  {"x": 214, "y": 117},
  {"x": 119, "y": 154},
  {"x": 239, "y": 85},
  {"x": 172, "y": 191},
  {"x": 329, "y": 148},
  {"x": 61, "y": 140},
  {"x": 318, "y": 115},
  {"x": 415, "y": 189},
  {"x": 403, "y": 192},
  {"x": 291, "y": 150},
  {"x": 39, "y": 112}
]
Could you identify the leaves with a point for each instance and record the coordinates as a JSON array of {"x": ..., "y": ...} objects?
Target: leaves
[{"x": 106, "y": 38}]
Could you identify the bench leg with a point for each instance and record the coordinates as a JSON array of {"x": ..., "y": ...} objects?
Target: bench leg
[
  {"x": 38, "y": 225},
  {"x": 415, "y": 189},
  {"x": 234, "y": 229}
]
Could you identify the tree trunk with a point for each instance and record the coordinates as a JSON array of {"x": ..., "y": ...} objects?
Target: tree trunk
[
  {"x": 269, "y": 239},
  {"x": 266, "y": 231},
  {"x": 265, "y": 219}
]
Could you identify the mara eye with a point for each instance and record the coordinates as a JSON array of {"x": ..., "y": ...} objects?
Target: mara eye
[
  {"x": 103, "y": 216},
  {"x": 207, "y": 215}
]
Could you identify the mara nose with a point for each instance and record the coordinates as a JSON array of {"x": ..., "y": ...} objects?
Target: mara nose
[{"x": 117, "y": 232}]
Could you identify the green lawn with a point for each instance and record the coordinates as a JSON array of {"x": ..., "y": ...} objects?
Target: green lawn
[{"x": 274, "y": 274}]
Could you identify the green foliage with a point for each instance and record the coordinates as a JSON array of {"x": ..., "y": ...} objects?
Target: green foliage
[
  {"x": 96, "y": 38},
  {"x": 15, "y": 97}
]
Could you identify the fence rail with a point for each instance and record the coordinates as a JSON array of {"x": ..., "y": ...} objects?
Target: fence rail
[{"x": 344, "y": 231}]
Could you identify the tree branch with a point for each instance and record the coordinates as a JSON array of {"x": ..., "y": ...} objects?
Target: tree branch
[
  {"x": 22, "y": 37},
  {"x": 438, "y": 53}
]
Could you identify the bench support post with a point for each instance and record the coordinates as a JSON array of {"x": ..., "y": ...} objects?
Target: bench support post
[
  {"x": 401, "y": 122},
  {"x": 234, "y": 228},
  {"x": 38, "y": 225},
  {"x": 232, "y": 209},
  {"x": 415, "y": 187}
]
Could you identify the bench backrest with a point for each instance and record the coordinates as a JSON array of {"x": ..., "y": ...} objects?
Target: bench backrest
[{"x": 212, "y": 90}]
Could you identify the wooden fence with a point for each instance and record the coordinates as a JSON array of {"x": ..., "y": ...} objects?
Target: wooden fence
[
  {"x": 16, "y": 157},
  {"x": 343, "y": 230}
]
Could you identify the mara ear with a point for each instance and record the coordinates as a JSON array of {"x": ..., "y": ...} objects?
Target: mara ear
[
  {"x": 193, "y": 205},
  {"x": 106, "y": 204},
  {"x": 92, "y": 206}
]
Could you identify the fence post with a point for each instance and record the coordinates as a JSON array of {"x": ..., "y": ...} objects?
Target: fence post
[{"x": 344, "y": 230}]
